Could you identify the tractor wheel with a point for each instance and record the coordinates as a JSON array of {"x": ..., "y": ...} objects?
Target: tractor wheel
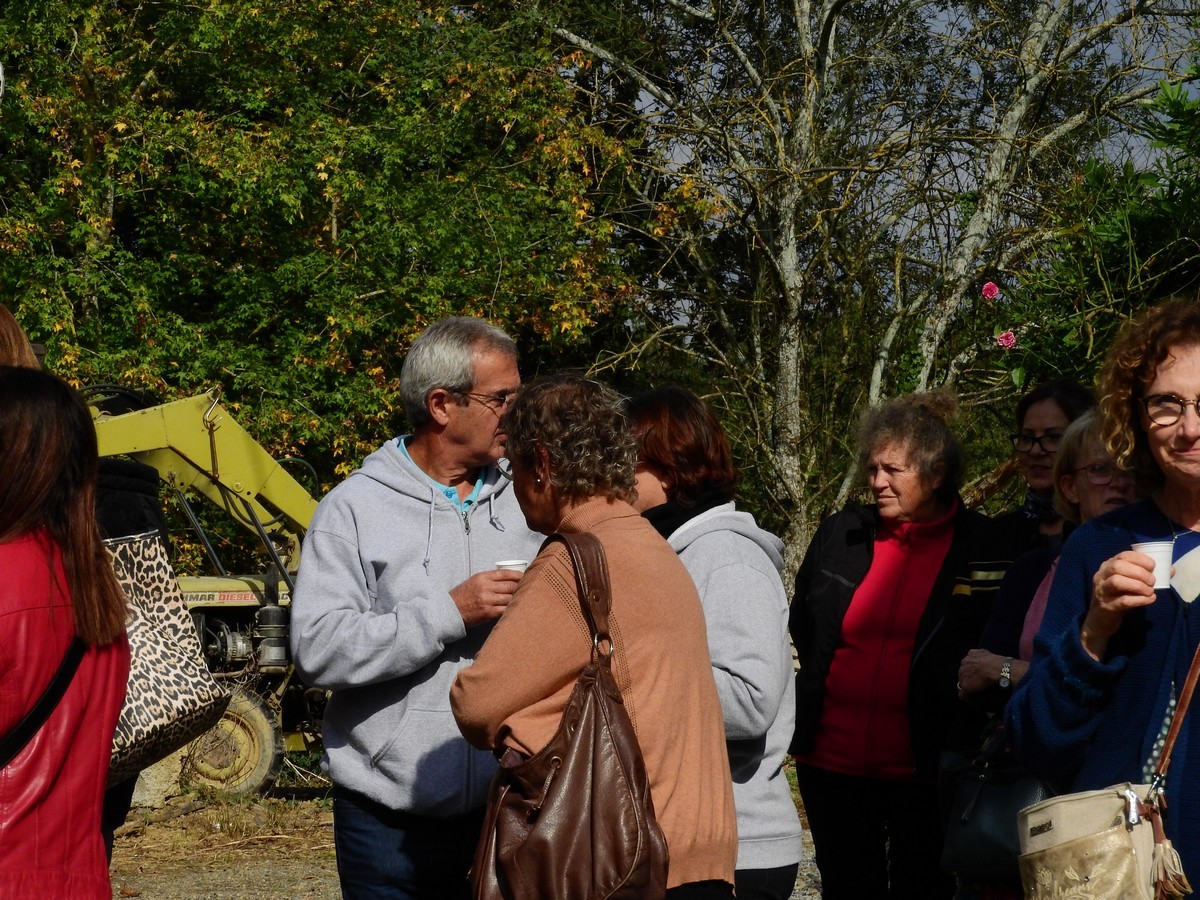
[{"x": 242, "y": 753}]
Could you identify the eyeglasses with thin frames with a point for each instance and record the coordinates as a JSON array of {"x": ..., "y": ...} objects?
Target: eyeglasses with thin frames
[
  {"x": 495, "y": 402},
  {"x": 1167, "y": 409},
  {"x": 1048, "y": 442},
  {"x": 1100, "y": 474},
  {"x": 505, "y": 467}
]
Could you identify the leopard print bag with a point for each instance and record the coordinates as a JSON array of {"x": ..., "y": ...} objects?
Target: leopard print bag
[{"x": 171, "y": 697}]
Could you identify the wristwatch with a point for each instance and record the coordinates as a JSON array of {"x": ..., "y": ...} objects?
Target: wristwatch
[{"x": 1006, "y": 672}]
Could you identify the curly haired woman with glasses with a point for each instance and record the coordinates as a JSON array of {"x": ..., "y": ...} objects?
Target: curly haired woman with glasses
[{"x": 1113, "y": 651}]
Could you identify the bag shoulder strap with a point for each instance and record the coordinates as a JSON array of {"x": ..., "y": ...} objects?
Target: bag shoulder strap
[
  {"x": 14, "y": 742},
  {"x": 591, "y": 578},
  {"x": 1181, "y": 706}
]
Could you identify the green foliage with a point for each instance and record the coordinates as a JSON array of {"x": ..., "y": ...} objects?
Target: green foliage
[
  {"x": 275, "y": 198},
  {"x": 1125, "y": 237},
  {"x": 1122, "y": 238}
]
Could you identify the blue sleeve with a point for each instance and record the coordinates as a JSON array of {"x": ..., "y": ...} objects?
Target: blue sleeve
[{"x": 1053, "y": 715}]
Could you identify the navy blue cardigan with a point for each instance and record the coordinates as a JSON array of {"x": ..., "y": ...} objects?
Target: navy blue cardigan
[{"x": 1086, "y": 724}]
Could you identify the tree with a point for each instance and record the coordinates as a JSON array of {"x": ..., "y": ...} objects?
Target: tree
[
  {"x": 274, "y": 198},
  {"x": 822, "y": 189},
  {"x": 1125, "y": 236}
]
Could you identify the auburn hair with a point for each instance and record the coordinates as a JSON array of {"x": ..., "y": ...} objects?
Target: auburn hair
[
  {"x": 48, "y": 464},
  {"x": 679, "y": 436},
  {"x": 15, "y": 349}
]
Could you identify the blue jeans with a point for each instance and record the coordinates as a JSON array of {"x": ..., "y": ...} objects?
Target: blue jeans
[{"x": 383, "y": 854}]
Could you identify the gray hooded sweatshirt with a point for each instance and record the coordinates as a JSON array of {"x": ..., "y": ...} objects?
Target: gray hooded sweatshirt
[
  {"x": 373, "y": 622},
  {"x": 736, "y": 566}
]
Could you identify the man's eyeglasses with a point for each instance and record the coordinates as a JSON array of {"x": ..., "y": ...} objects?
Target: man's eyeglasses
[
  {"x": 1167, "y": 409},
  {"x": 1024, "y": 442},
  {"x": 505, "y": 467},
  {"x": 1100, "y": 474},
  {"x": 494, "y": 402}
]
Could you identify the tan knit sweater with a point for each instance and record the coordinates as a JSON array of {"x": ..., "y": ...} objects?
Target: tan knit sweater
[{"x": 514, "y": 693}]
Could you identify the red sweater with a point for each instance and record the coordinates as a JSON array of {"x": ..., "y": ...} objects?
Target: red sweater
[
  {"x": 51, "y": 793},
  {"x": 863, "y": 728}
]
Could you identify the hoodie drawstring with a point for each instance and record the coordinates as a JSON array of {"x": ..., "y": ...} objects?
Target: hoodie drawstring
[{"x": 429, "y": 531}]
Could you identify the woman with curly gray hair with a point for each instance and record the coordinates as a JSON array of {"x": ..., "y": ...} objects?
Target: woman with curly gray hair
[
  {"x": 889, "y": 599},
  {"x": 573, "y": 460}
]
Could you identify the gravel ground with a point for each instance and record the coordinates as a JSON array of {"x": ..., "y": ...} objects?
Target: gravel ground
[
  {"x": 808, "y": 881},
  {"x": 272, "y": 848}
]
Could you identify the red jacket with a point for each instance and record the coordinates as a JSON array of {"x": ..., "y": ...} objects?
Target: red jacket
[{"x": 51, "y": 793}]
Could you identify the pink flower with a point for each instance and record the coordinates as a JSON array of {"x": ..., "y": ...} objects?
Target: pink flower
[
  {"x": 1007, "y": 340},
  {"x": 990, "y": 291}
]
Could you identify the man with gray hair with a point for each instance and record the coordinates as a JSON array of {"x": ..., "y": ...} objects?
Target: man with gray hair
[{"x": 397, "y": 589}]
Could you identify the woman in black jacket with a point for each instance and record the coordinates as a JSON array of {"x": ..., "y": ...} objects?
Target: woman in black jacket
[{"x": 889, "y": 598}]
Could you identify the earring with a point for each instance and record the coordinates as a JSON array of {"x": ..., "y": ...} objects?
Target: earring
[{"x": 537, "y": 480}]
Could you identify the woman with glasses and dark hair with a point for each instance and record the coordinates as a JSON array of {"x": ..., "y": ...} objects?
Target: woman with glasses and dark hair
[
  {"x": 58, "y": 591},
  {"x": 1087, "y": 483},
  {"x": 1112, "y": 652},
  {"x": 686, "y": 482},
  {"x": 573, "y": 459},
  {"x": 1042, "y": 418}
]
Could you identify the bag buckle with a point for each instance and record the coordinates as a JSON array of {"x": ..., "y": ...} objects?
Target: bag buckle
[{"x": 1133, "y": 813}]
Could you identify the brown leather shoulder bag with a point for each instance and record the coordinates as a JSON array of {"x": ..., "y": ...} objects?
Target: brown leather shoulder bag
[{"x": 576, "y": 820}]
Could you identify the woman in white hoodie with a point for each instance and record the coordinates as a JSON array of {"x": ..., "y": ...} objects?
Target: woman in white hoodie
[{"x": 686, "y": 482}]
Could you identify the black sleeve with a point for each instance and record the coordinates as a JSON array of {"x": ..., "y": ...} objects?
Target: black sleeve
[
  {"x": 1002, "y": 634},
  {"x": 127, "y": 499}
]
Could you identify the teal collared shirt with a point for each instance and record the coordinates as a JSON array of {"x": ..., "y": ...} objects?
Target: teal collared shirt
[{"x": 450, "y": 493}]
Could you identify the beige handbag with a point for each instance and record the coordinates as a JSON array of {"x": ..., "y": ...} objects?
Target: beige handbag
[
  {"x": 1108, "y": 843},
  {"x": 1090, "y": 844}
]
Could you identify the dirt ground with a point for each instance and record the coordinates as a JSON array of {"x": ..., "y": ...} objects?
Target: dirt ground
[
  {"x": 262, "y": 848},
  {"x": 234, "y": 849}
]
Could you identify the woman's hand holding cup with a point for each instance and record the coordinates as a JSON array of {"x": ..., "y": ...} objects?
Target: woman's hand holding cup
[{"x": 1122, "y": 583}]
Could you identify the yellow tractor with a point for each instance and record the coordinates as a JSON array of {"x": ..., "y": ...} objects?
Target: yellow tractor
[{"x": 197, "y": 447}]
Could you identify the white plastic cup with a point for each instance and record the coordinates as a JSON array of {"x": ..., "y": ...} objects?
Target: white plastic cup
[
  {"x": 517, "y": 565},
  {"x": 1160, "y": 552}
]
